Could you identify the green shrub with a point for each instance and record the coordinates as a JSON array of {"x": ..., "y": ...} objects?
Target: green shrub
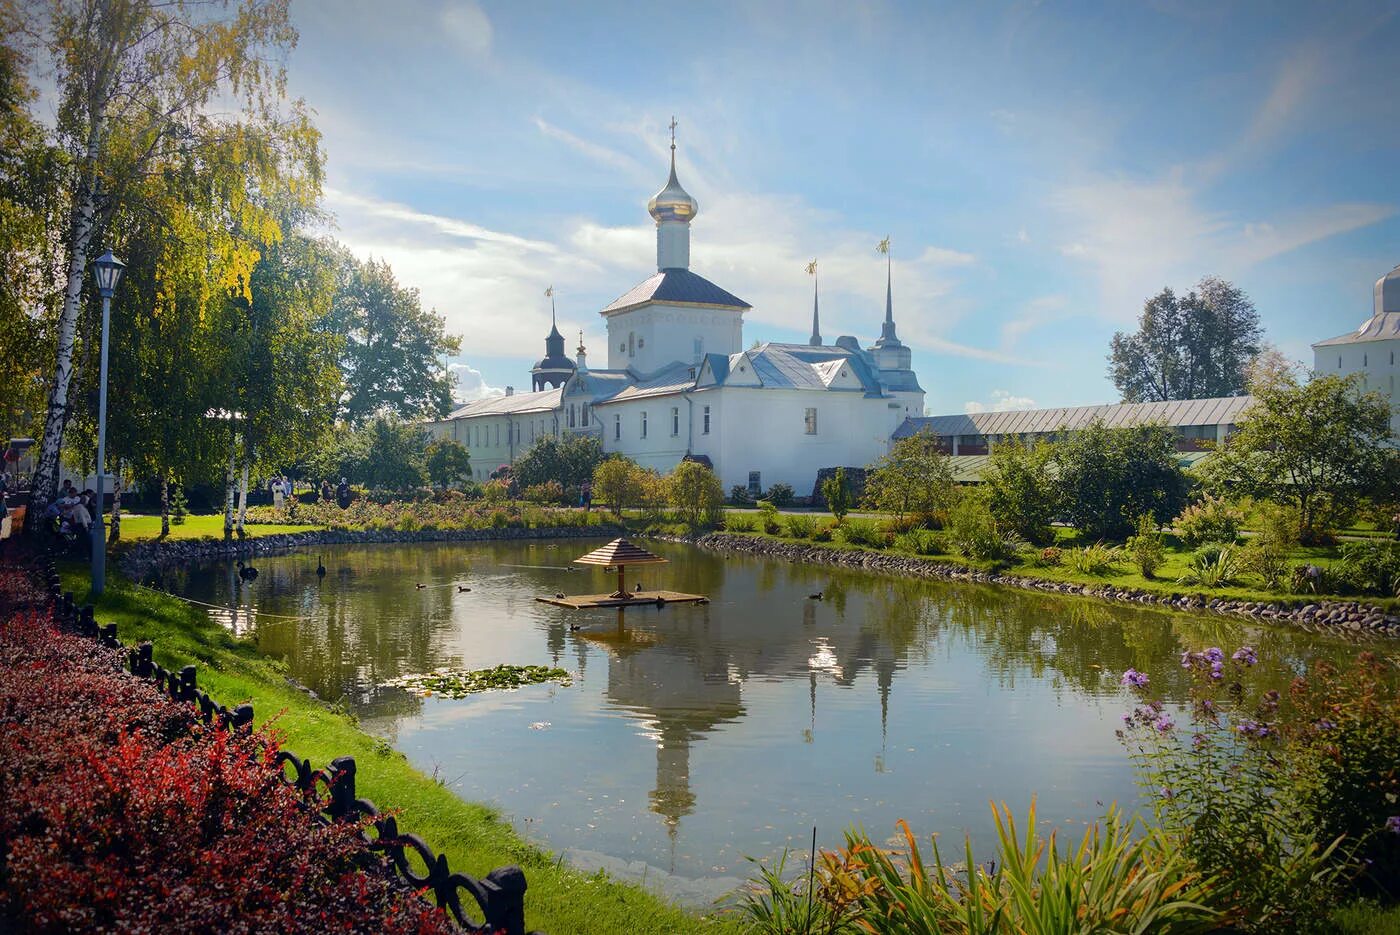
[
  {"x": 801, "y": 527},
  {"x": 1213, "y": 567},
  {"x": 549, "y": 492},
  {"x": 768, "y": 517},
  {"x": 739, "y": 494},
  {"x": 973, "y": 531},
  {"x": 1145, "y": 547},
  {"x": 179, "y": 506},
  {"x": 739, "y": 522},
  {"x": 1049, "y": 557},
  {"x": 823, "y": 532},
  {"x": 921, "y": 542},
  {"x": 837, "y": 493},
  {"x": 863, "y": 532},
  {"x": 1097, "y": 559},
  {"x": 1371, "y": 567},
  {"x": 1118, "y": 878},
  {"x": 1211, "y": 520},
  {"x": 780, "y": 494}
]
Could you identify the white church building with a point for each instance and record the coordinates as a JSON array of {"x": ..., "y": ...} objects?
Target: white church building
[{"x": 680, "y": 384}]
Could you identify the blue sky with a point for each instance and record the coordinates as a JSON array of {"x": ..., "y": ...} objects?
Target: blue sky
[{"x": 1041, "y": 168}]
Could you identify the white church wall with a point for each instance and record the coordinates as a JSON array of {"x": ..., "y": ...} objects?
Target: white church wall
[
  {"x": 1376, "y": 362},
  {"x": 665, "y": 441},
  {"x": 648, "y": 338}
]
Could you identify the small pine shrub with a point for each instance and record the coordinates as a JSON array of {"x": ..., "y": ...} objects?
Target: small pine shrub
[
  {"x": 780, "y": 494},
  {"x": 1145, "y": 547},
  {"x": 179, "y": 506}
]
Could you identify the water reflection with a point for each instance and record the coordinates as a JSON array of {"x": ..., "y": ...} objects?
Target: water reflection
[{"x": 694, "y": 735}]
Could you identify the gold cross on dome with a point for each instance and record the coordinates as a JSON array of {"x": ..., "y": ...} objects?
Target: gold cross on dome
[{"x": 674, "y": 124}]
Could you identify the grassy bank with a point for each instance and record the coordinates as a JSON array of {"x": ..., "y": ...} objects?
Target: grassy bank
[
  {"x": 138, "y": 527},
  {"x": 474, "y": 838},
  {"x": 1124, "y": 574}
]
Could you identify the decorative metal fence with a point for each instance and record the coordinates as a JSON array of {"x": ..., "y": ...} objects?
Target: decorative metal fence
[{"x": 329, "y": 791}]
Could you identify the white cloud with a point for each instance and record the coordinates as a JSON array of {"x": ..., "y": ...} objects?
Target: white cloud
[
  {"x": 591, "y": 150},
  {"x": 468, "y": 26},
  {"x": 1036, "y": 313},
  {"x": 471, "y": 385},
  {"x": 1002, "y": 401}
]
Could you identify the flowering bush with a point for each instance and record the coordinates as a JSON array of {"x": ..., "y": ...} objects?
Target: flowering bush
[
  {"x": 1283, "y": 800},
  {"x": 1211, "y": 520},
  {"x": 119, "y": 811},
  {"x": 452, "y": 513}
]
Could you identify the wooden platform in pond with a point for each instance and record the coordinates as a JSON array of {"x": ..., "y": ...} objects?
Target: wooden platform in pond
[{"x": 637, "y": 599}]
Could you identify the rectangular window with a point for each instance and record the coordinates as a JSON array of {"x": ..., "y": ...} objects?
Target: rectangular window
[
  {"x": 644, "y": 424},
  {"x": 755, "y": 484},
  {"x": 585, "y": 415},
  {"x": 705, "y": 429},
  {"x": 498, "y": 434},
  {"x": 675, "y": 420},
  {"x": 617, "y": 427},
  {"x": 811, "y": 420}
]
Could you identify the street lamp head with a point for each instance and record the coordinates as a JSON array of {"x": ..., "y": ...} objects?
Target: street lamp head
[{"x": 107, "y": 270}]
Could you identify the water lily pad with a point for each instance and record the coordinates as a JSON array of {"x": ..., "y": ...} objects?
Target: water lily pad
[{"x": 458, "y": 683}]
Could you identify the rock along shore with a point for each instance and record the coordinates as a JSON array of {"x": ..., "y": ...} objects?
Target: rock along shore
[
  {"x": 1347, "y": 617},
  {"x": 141, "y": 558}
]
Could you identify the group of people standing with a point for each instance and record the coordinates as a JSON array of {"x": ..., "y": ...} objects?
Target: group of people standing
[
  {"x": 73, "y": 511},
  {"x": 281, "y": 488}
]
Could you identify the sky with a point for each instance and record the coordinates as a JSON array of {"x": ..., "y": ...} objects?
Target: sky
[{"x": 1041, "y": 168}]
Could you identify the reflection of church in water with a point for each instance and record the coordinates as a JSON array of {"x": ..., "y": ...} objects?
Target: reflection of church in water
[{"x": 682, "y": 676}]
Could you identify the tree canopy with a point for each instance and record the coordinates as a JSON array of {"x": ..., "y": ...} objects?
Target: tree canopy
[
  {"x": 570, "y": 460},
  {"x": 1108, "y": 478},
  {"x": 1195, "y": 346},
  {"x": 914, "y": 478}
]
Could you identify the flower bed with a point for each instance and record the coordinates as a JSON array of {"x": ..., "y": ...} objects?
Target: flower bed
[{"x": 121, "y": 809}]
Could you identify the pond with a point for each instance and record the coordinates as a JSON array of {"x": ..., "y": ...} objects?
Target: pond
[{"x": 694, "y": 736}]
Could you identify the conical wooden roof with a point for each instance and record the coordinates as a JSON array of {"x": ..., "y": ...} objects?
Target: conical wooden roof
[{"x": 620, "y": 552}]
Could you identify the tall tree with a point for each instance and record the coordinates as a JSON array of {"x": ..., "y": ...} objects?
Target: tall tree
[
  {"x": 1195, "y": 346},
  {"x": 1108, "y": 478},
  {"x": 136, "y": 78},
  {"x": 1320, "y": 446},
  {"x": 391, "y": 359},
  {"x": 914, "y": 478}
]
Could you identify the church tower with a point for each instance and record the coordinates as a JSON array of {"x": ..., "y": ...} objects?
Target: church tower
[
  {"x": 555, "y": 368},
  {"x": 674, "y": 316}
]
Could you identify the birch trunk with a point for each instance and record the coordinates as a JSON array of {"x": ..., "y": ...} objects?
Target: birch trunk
[
  {"x": 228, "y": 495},
  {"x": 45, "y": 484},
  {"x": 116, "y": 532},
  {"x": 242, "y": 498},
  {"x": 164, "y": 505}
]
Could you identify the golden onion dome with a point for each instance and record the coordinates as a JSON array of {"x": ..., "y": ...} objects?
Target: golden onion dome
[{"x": 672, "y": 203}]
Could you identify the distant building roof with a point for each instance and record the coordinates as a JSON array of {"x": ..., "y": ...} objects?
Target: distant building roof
[
  {"x": 670, "y": 379},
  {"x": 542, "y": 401},
  {"x": 676, "y": 287},
  {"x": 1383, "y": 326},
  {"x": 1224, "y": 410}
]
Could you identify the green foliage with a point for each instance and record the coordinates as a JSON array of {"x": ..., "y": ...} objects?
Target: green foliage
[
  {"x": 620, "y": 483},
  {"x": 739, "y": 522},
  {"x": 179, "y": 506},
  {"x": 1372, "y": 567},
  {"x": 1107, "y": 478},
  {"x": 1021, "y": 489},
  {"x": 800, "y": 526},
  {"x": 824, "y": 532},
  {"x": 695, "y": 493},
  {"x": 780, "y": 494},
  {"x": 1266, "y": 552},
  {"x": 1211, "y": 520},
  {"x": 863, "y": 532},
  {"x": 570, "y": 460},
  {"x": 1049, "y": 557},
  {"x": 548, "y": 492},
  {"x": 447, "y": 462},
  {"x": 1193, "y": 347},
  {"x": 972, "y": 530},
  {"x": 837, "y": 494},
  {"x": 915, "y": 477},
  {"x": 1116, "y": 879},
  {"x": 768, "y": 518},
  {"x": 1214, "y": 567},
  {"x": 1096, "y": 560},
  {"x": 392, "y": 347},
  {"x": 776, "y": 905},
  {"x": 1145, "y": 547},
  {"x": 1318, "y": 446}
]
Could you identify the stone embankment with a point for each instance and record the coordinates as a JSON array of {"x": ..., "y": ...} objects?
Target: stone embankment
[
  {"x": 1340, "y": 616},
  {"x": 141, "y": 558}
]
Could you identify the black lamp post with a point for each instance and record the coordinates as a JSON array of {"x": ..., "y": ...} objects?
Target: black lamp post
[{"x": 107, "y": 270}]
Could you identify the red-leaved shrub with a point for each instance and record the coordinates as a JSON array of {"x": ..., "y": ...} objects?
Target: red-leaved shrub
[{"x": 118, "y": 812}]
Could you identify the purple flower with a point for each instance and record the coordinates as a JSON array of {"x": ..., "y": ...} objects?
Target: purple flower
[
  {"x": 1217, "y": 669},
  {"x": 1392, "y": 824},
  {"x": 1128, "y": 719},
  {"x": 1253, "y": 729},
  {"x": 1186, "y": 658},
  {"x": 1164, "y": 723},
  {"x": 1245, "y": 655},
  {"x": 1134, "y": 679},
  {"x": 1325, "y": 724},
  {"x": 1165, "y": 793},
  {"x": 1214, "y": 654}
]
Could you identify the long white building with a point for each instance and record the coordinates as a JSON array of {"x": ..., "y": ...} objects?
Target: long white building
[
  {"x": 680, "y": 384},
  {"x": 1370, "y": 350}
]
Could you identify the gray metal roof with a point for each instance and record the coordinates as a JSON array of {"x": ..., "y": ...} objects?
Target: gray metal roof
[
  {"x": 1218, "y": 411},
  {"x": 1384, "y": 326},
  {"x": 678, "y": 287},
  {"x": 671, "y": 379},
  {"x": 542, "y": 401}
]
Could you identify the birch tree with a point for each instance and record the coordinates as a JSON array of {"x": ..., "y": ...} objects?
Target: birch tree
[{"x": 137, "y": 79}]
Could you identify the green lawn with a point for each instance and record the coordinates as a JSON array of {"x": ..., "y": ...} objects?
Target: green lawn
[
  {"x": 137, "y": 527},
  {"x": 474, "y": 838}
]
